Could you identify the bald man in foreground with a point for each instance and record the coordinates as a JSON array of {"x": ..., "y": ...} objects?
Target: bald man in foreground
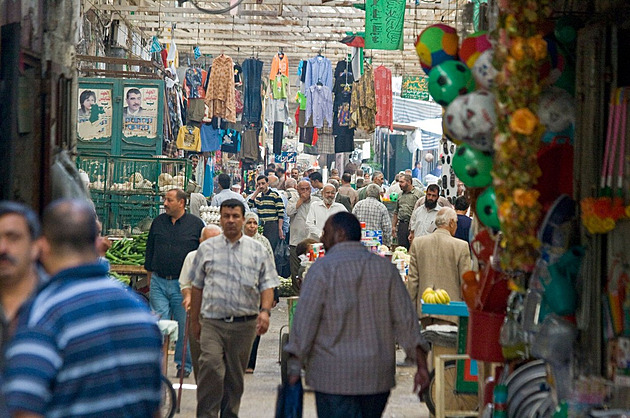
[{"x": 185, "y": 284}]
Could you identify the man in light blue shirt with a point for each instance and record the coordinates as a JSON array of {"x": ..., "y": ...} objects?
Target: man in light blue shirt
[{"x": 226, "y": 193}]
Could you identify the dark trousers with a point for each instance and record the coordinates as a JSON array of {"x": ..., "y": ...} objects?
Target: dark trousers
[
  {"x": 278, "y": 131},
  {"x": 295, "y": 268},
  {"x": 350, "y": 406},
  {"x": 271, "y": 232},
  {"x": 403, "y": 234},
  {"x": 252, "y": 103}
]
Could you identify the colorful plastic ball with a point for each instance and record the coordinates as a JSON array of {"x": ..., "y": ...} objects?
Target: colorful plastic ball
[
  {"x": 556, "y": 109},
  {"x": 471, "y": 119},
  {"x": 566, "y": 30},
  {"x": 436, "y": 44},
  {"x": 473, "y": 46},
  {"x": 483, "y": 71},
  {"x": 473, "y": 167},
  {"x": 449, "y": 80},
  {"x": 487, "y": 208}
]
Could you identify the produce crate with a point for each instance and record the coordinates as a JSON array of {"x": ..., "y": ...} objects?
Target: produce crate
[{"x": 127, "y": 191}]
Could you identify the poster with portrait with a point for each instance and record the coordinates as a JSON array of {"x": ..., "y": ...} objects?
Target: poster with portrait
[
  {"x": 94, "y": 117},
  {"x": 140, "y": 112}
]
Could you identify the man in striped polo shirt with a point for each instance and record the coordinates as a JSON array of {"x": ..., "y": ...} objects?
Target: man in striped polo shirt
[
  {"x": 84, "y": 345},
  {"x": 270, "y": 208}
]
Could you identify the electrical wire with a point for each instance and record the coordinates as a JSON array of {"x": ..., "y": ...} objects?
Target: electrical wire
[{"x": 217, "y": 11}]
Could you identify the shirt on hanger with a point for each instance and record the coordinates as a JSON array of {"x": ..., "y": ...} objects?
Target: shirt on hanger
[
  {"x": 279, "y": 65},
  {"x": 231, "y": 141},
  {"x": 193, "y": 83},
  {"x": 277, "y": 110},
  {"x": 189, "y": 138},
  {"x": 319, "y": 105},
  {"x": 280, "y": 87},
  {"x": 363, "y": 102},
  {"x": 238, "y": 74},
  {"x": 319, "y": 70},
  {"x": 220, "y": 96},
  {"x": 301, "y": 99},
  {"x": 210, "y": 138},
  {"x": 384, "y": 100},
  {"x": 342, "y": 66}
]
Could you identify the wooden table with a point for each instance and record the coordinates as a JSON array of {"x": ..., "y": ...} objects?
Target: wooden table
[{"x": 137, "y": 274}]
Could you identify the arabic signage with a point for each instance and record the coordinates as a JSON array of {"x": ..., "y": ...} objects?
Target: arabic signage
[
  {"x": 415, "y": 87},
  {"x": 384, "y": 24}
]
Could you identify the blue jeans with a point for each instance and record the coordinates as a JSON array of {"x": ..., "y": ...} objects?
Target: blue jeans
[
  {"x": 350, "y": 406},
  {"x": 166, "y": 300}
]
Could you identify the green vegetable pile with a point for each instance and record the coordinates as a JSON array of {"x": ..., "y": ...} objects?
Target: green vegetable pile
[
  {"x": 129, "y": 251},
  {"x": 124, "y": 279},
  {"x": 285, "y": 289}
]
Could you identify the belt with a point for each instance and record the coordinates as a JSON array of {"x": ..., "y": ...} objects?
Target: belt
[
  {"x": 237, "y": 318},
  {"x": 404, "y": 222},
  {"x": 266, "y": 222},
  {"x": 169, "y": 277}
]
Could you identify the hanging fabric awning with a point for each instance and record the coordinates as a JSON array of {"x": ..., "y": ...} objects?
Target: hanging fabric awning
[{"x": 410, "y": 110}]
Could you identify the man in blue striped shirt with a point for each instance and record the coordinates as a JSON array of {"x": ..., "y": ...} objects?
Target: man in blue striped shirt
[
  {"x": 84, "y": 345},
  {"x": 270, "y": 209}
]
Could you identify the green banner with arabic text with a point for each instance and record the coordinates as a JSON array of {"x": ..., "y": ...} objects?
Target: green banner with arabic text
[
  {"x": 384, "y": 24},
  {"x": 415, "y": 87}
]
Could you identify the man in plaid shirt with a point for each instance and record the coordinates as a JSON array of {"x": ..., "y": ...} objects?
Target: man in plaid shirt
[{"x": 374, "y": 213}]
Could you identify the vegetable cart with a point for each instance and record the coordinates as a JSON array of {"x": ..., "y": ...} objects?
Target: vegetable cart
[{"x": 453, "y": 381}]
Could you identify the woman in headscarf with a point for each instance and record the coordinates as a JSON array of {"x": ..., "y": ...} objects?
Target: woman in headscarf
[{"x": 251, "y": 230}]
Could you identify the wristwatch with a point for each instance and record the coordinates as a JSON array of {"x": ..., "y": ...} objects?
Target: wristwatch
[{"x": 266, "y": 310}]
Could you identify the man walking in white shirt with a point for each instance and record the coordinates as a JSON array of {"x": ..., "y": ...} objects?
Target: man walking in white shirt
[
  {"x": 298, "y": 210},
  {"x": 320, "y": 211},
  {"x": 225, "y": 193}
]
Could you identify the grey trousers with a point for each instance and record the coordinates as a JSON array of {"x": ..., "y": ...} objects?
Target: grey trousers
[
  {"x": 225, "y": 351},
  {"x": 195, "y": 351}
]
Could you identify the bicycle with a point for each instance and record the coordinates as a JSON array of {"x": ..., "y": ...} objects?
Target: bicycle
[{"x": 168, "y": 400}]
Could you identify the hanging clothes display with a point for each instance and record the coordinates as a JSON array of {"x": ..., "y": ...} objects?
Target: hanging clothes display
[
  {"x": 325, "y": 140},
  {"x": 174, "y": 103},
  {"x": 278, "y": 133},
  {"x": 193, "y": 83},
  {"x": 196, "y": 110},
  {"x": 319, "y": 70},
  {"x": 220, "y": 96},
  {"x": 231, "y": 141},
  {"x": 250, "y": 152},
  {"x": 189, "y": 138},
  {"x": 344, "y": 134},
  {"x": 363, "y": 102},
  {"x": 280, "y": 87},
  {"x": 279, "y": 65},
  {"x": 384, "y": 100},
  {"x": 342, "y": 67},
  {"x": 319, "y": 105},
  {"x": 277, "y": 111},
  {"x": 252, "y": 100},
  {"x": 210, "y": 138}
]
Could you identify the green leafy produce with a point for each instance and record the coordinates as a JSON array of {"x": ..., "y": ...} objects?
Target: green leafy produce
[{"x": 129, "y": 251}]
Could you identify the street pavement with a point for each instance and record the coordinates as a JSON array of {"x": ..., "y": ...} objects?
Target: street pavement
[{"x": 259, "y": 398}]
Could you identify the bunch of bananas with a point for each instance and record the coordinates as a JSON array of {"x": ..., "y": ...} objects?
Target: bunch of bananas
[{"x": 431, "y": 295}]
